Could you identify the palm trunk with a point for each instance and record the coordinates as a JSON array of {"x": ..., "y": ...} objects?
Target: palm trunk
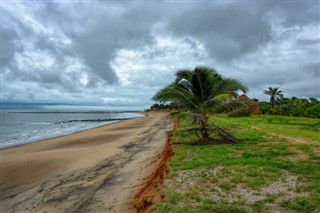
[
  {"x": 204, "y": 132},
  {"x": 272, "y": 101}
]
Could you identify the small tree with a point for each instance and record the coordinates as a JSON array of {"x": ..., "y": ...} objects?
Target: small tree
[{"x": 199, "y": 90}]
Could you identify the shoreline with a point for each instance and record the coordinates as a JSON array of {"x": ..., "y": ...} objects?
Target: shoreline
[
  {"x": 67, "y": 132},
  {"x": 36, "y": 171}
]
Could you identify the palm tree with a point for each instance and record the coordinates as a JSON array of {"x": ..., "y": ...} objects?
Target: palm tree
[
  {"x": 275, "y": 95},
  {"x": 199, "y": 90}
]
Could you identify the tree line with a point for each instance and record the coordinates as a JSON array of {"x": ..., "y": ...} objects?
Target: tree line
[{"x": 280, "y": 105}]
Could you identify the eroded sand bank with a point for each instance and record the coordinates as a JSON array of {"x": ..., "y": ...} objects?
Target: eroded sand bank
[{"x": 95, "y": 170}]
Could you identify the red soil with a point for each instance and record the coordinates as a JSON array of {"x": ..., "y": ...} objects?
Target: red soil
[{"x": 149, "y": 194}]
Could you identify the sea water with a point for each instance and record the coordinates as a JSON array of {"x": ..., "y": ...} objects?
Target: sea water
[{"x": 19, "y": 127}]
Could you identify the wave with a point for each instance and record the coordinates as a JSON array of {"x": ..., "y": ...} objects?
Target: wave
[{"x": 22, "y": 128}]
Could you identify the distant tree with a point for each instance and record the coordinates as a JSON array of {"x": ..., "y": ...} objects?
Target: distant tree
[
  {"x": 160, "y": 106},
  {"x": 313, "y": 111},
  {"x": 293, "y": 106},
  {"x": 314, "y": 100},
  {"x": 256, "y": 100},
  {"x": 299, "y": 107},
  {"x": 264, "y": 107},
  {"x": 199, "y": 90},
  {"x": 275, "y": 95}
]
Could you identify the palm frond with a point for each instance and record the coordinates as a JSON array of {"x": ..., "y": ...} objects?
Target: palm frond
[
  {"x": 227, "y": 86},
  {"x": 184, "y": 74},
  {"x": 199, "y": 89}
]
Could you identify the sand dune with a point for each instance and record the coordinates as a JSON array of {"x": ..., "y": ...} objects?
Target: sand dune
[{"x": 90, "y": 171}]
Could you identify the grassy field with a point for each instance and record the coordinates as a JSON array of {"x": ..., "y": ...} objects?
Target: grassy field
[{"x": 274, "y": 168}]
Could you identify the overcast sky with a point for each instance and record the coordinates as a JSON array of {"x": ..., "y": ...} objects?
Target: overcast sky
[{"x": 116, "y": 55}]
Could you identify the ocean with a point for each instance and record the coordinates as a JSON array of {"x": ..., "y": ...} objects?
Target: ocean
[{"x": 19, "y": 127}]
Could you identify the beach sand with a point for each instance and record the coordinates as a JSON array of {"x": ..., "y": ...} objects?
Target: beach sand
[{"x": 95, "y": 170}]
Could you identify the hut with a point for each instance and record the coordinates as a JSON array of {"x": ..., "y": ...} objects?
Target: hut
[{"x": 253, "y": 106}]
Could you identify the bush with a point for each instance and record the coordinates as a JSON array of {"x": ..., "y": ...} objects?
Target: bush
[
  {"x": 313, "y": 111},
  {"x": 239, "y": 113}
]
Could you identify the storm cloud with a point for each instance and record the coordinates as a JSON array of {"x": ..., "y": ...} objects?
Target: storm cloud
[{"x": 118, "y": 54}]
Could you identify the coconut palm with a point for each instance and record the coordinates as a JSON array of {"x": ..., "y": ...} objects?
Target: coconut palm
[
  {"x": 199, "y": 90},
  {"x": 275, "y": 95}
]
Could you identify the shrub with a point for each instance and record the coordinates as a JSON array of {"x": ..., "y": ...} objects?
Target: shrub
[{"x": 239, "y": 113}]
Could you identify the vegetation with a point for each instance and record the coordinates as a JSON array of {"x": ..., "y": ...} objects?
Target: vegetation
[
  {"x": 157, "y": 106},
  {"x": 275, "y": 167},
  {"x": 239, "y": 113},
  {"x": 275, "y": 95},
  {"x": 293, "y": 107},
  {"x": 297, "y": 107},
  {"x": 199, "y": 90}
]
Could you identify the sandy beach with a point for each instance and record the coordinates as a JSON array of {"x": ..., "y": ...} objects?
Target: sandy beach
[{"x": 96, "y": 170}]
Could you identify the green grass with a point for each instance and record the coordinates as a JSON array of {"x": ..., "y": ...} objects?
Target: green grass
[{"x": 276, "y": 165}]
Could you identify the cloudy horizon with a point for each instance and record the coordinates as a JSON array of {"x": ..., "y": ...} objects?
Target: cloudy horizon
[{"x": 117, "y": 55}]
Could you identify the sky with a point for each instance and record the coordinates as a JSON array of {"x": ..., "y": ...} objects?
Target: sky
[{"x": 118, "y": 54}]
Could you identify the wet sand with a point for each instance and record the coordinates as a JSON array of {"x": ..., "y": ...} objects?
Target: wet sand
[{"x": 95, "y": 170}]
